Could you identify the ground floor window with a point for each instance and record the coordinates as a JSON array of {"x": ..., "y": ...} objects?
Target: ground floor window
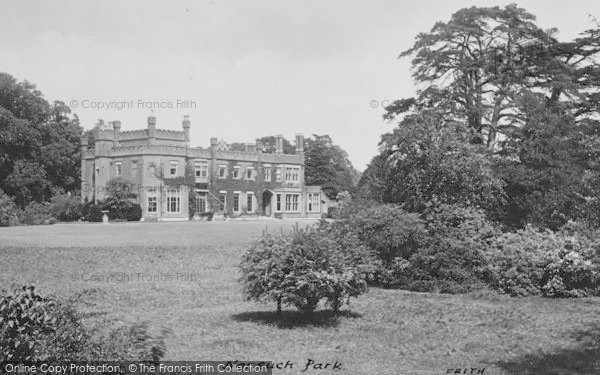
[
  {"x": 152, "y": 200},
  {"x": 278, "y": 202},
  {"x": 200, "y": 202},
  {"x": 291, "y": 202},
  {"x": 236, "y": 202},
  {"x": 173, "y": 200},
  {"x": 222, "y": 201},
  {"x": 250, "y": 202},
  {"x": 314, "y": 201}
]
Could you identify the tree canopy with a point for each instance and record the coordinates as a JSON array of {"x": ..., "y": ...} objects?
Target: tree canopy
[
  {"x": 506, "y": 118},
  {"x": 39, "y": 144}
]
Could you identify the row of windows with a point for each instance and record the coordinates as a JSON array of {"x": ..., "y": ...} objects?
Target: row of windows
[
  {"x": 173, "y": 200},
  {"x": 291, "y": 174},
  {"x": 201, "y": 202},
  {"x": 288, "y": 202}
]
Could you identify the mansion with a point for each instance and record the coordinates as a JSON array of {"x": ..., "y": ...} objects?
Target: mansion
[{"x": 173, "y": 181}]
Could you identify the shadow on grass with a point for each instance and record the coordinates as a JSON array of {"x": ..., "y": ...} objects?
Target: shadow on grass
[
  {"x": 293, "y": 319},
  {"x": 580, "y": 360}
]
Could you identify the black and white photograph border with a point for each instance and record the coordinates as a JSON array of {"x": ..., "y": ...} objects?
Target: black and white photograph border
[{"x": 301, "y": 187}]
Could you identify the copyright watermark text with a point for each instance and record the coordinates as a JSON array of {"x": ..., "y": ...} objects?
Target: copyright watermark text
[
  {"x": 121, "y": 277},
  {"x": 119, "y": 105}
]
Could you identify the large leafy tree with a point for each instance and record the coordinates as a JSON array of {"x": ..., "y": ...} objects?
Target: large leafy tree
[
  {"x": 491, "y": 78},
  {"x": 427, "y": 158},
  {"x": 477, "y": 66},
  {"x": 328, "y": 166},
  {"x": 546, "y": 164},
  {"x": 39, "y": 143}
]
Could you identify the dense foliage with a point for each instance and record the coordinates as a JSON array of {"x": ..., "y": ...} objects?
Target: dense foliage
[
  {"x": 506, "y": 120},
  {"x": 457, "y": 249},
  {"x": 8, "y": 210},
  {"x": 328, "y": 166},
  {"x": 531, "y": 262},
  {"x": 66, "y": 207},
  {"x": 39, "y": 153},
  {"x": 442, "y": 249},
  {"x": 302, "y": 267},
  {"x": 119, "y": 199},
  {"x": 37, "y": 328}
]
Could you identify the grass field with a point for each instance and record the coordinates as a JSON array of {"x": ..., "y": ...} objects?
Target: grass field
[{"x": 184, "y": 276}]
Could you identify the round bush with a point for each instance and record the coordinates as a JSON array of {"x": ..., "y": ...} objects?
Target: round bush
[{"x": 302, "y": 267}]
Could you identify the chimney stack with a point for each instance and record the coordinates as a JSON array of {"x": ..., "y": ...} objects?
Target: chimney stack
[
  {"x": 299, "y": 144},
  {"x": 279, "y": 144},
  {"x": 186, "y": 129},
  {"x": 151, "y": 129},
  {"x": 116, "y": 129}
]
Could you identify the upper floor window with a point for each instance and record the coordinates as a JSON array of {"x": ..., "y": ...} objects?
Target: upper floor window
[
  {"x": 119, "y": 168},
  {"x": 222, "y": 171},
  {"x": 237, "y": 172},
  {"x": 250, "y": 173},
  {"x": 173, "y": 169},
  {"x": 278, "y": 174},
  {"x": 292, "y": 174},
  {"x": 201, "y": 170},
  {"x": 267, "y": 173}
]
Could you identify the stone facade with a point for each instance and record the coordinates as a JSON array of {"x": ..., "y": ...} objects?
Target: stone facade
[{"x": 174, "y": 181}]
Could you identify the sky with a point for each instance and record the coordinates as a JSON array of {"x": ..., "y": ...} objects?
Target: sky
[{"x": 240, "y": 70}]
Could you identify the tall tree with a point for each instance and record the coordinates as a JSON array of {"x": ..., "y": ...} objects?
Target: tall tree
[
  {"x": 476, "y": 67},
  {"x": 491, "y": 77},
  {"x": 39, "y": 143},
  {"x": 60, "y": 152},
  {"x": 427, "y": 158},
  {"x": 328, "y": 166}
]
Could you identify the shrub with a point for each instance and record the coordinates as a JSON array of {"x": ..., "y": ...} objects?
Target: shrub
[
  {"x": 440, "y": 249},
  {"x": 451, "y": 256},
  {"x": 388, "y": 230},
  {"x": 300, "y": 268},
  {"x": 66, "y": 207},
  {"x": 34, "y": 328},
  {"x": 8, "y": 211},
  {"x": 92, "y": 212},
  {"x": 35, "y": 214},
  {"x": 134, "y": 213},
  {"x": 119, "y": 198},
  {"x": 531, "y": 262}
]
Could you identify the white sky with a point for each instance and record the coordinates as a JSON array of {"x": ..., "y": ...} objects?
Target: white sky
[{"x": 253, "y": 68}]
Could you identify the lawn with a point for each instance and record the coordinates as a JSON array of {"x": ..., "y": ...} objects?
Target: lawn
[{"x": 183, "y": 276}]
